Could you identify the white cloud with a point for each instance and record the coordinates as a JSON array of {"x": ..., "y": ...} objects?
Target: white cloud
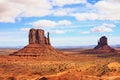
[
  {"x": 44, "y": 23},
  {"x": 67, "y": 2},
  {"x": 34, "y": 8},
  {"x": 25, "y": 29},
  {"x": 108, "y": 9},
  {"x": 60, "y": 12},
  {"x": 63, "y": 11},
  {"x": 85, "y": 16},
  {"x": 59, "y": 31},
  {"x": 64, "y": 23},
  {"x": 12, "y": 9},
  {"x": 50, "y": 23},
  {"x": 85, "y": 32},
  {"x": 102, "y": 10},
  {"x": 7, "y": 11},
  {"x": 109, "y": 25},
  {"x": 103, "y": 28}
]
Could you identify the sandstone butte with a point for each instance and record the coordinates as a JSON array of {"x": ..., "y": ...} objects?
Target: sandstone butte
[
  {"x": 103, "y": 46},
  {"x": 39, "y": 45}
]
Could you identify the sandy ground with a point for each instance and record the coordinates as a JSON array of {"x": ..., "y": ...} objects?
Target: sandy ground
[{"x": 79, "y": 66}]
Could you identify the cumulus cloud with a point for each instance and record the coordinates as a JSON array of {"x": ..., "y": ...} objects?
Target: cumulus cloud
[
  {"x": 7, "y": 11},
  {"x": 103, "y": 28},
  {"x": 85, "y": 16},
  {"x": 108, "y": 9},
  {"x": 50, "y": 23},
  {"x": 102, "y": 10},
  {"x": 11, "y": 9},
  {"x": 64, "y": 23}
]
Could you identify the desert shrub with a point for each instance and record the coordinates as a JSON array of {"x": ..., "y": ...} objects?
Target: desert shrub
[
  {"x": 62, "y": 68},
  {"x": 98, "y": 70},
  {"x": 51, "y": 67},
  {"x": 113, "y": 70},
  {"x": 102, "y": 70}
]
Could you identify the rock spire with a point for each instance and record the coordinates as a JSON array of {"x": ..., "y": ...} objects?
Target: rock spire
[{"x": 37, "y": 36}]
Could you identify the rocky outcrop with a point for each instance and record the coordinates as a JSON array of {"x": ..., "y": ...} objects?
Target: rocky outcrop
[
  {"x": 37, "y": 37},
  {"x": 39, "y": 45},
  {"x": 101, "y": 43},
  {"x": 103, "y": 46}
]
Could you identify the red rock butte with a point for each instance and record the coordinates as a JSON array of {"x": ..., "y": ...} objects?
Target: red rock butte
[
  {"x": 103, "y": 46},
  {"x": 37, "y": 37},
  {"x": 39, "y": 45}
]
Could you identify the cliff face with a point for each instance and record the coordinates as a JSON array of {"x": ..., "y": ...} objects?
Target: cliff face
[
  {"x": 103, "y": 45},
  {"x": 36, "y": 36}
]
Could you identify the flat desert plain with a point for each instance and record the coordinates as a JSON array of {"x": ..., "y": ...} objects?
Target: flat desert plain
[{"x": 76, "y": 66}]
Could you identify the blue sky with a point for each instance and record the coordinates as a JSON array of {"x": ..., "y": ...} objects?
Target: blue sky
[{"x": 70, "y": 22}]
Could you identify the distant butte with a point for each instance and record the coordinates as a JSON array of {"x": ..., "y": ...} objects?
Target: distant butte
[
  {"x": 39, "y": 45},
  {"x": 103, "y": 46}
]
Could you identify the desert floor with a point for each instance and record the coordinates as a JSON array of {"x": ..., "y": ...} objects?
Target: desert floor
[{"x": 77, "y": 66}]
